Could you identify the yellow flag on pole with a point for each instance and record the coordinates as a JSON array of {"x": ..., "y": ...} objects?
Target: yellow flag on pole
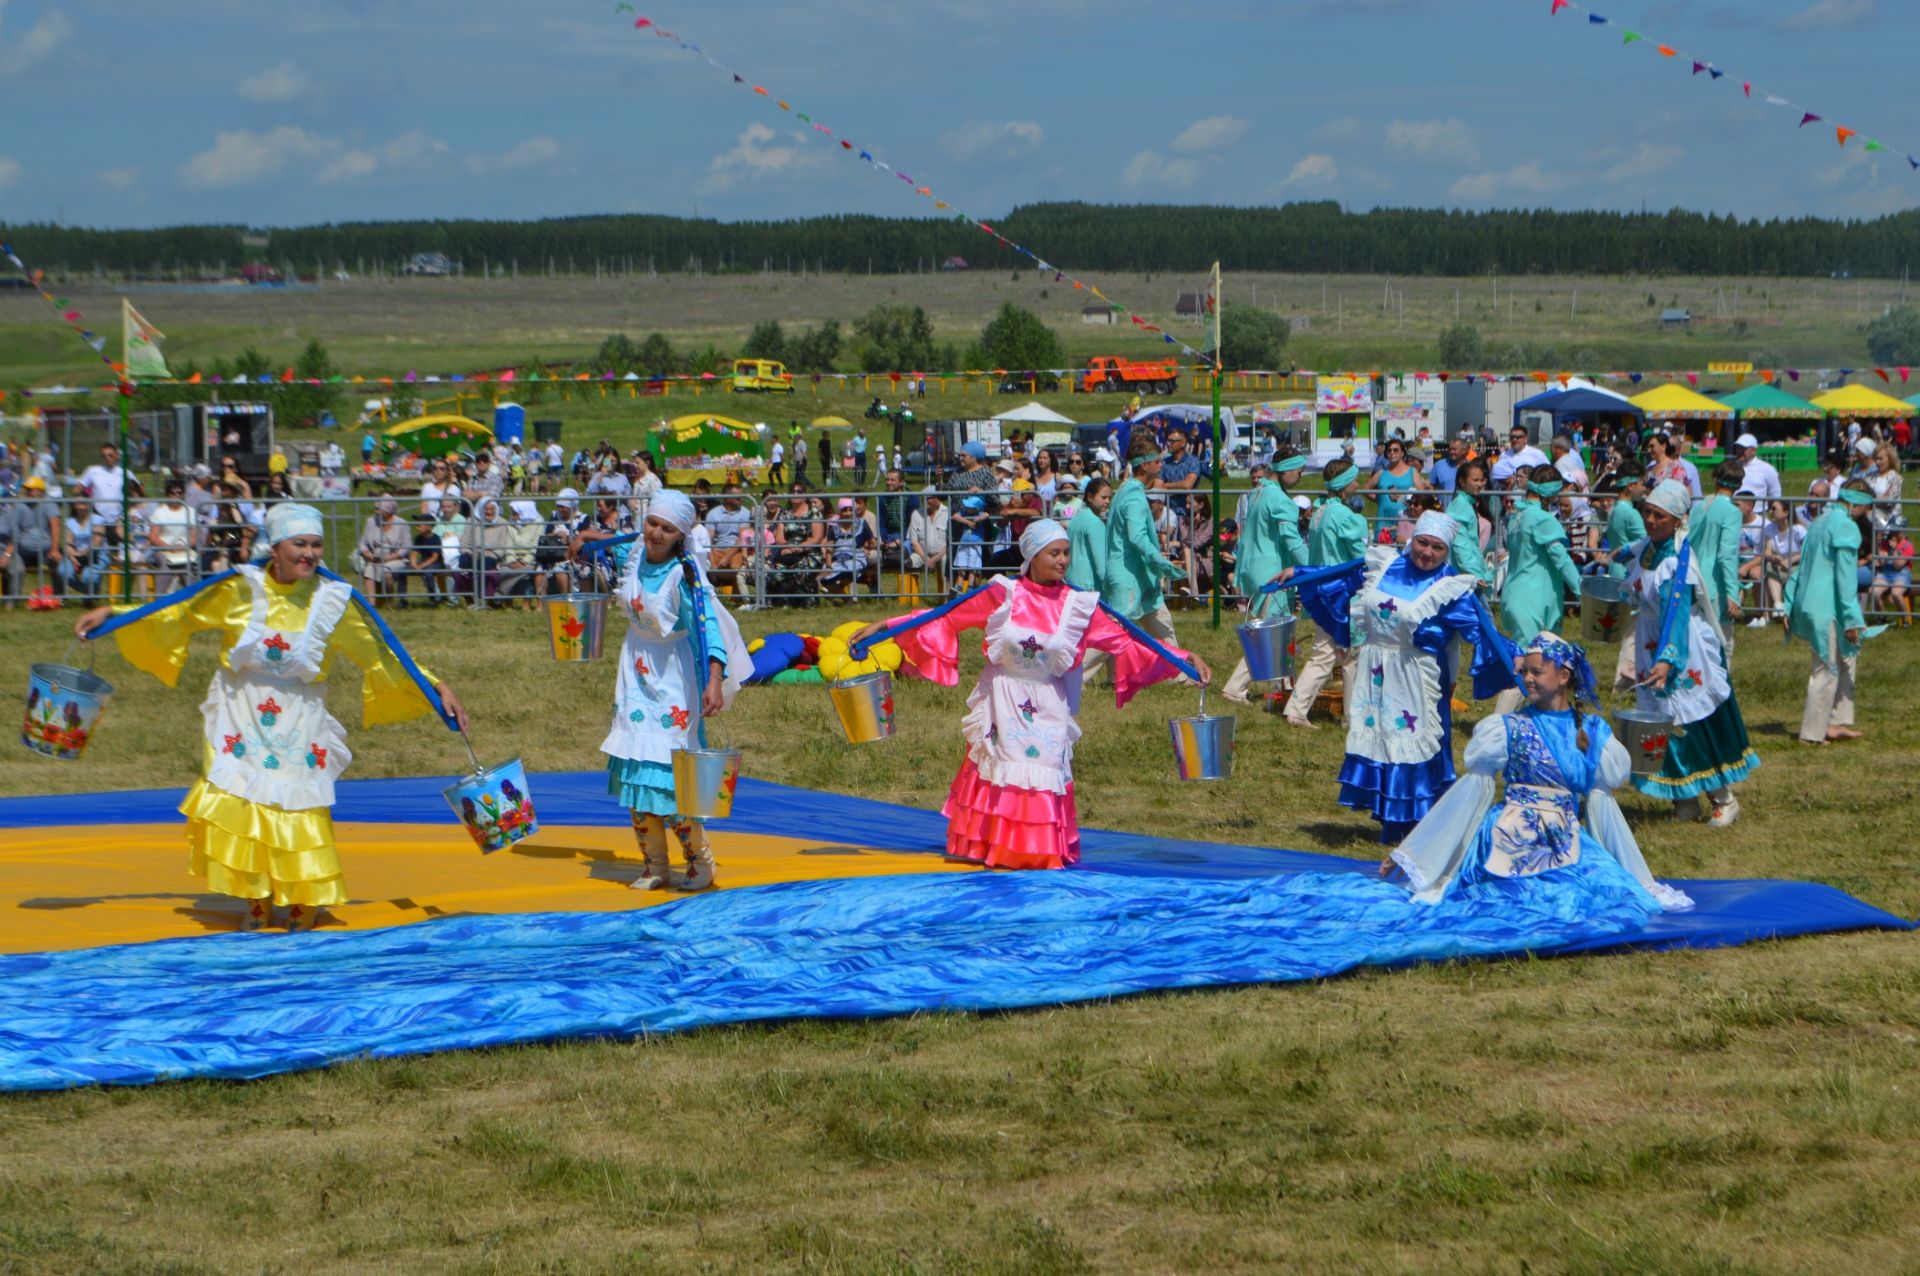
[{"x": 142, "y": 344}]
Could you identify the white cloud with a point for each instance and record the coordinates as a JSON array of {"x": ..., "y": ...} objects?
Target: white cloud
[
  {"x": 118, "y": 179},
  {"x": 1527, "y": 179},
  {"x": 36, "y": 44},
  {"x": 1215, "y": 133},
  {"x": 283, "y": 83},
  {"x": 1312, "y": 170},
  {"x": 542, "y": 154},
  {"x": 1012, "y": 137},
  {"x": 1151, "y": 168},
  {"x": 1830, "y": 15},
  {"x": 242, "y": 157},
  {"x": 1448, "y": 141},
  {"x": 10, "y": 171},
  {"x": 1647, "y": 159},
  {"x": 759, "y": 151}
]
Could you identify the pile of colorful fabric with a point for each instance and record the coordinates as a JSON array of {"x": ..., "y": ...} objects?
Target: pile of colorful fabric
[{"x": 782, "y": 659}]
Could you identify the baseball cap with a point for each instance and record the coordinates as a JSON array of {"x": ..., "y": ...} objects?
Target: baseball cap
[
  {"x": 1746, "y": 440},
  {"x": 34, "y": 483}
]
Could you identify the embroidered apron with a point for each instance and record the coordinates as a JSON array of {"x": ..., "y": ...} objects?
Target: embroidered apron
[
  {"x": 1020, "y": 727},
  {"x": 1538, "y": 824}
]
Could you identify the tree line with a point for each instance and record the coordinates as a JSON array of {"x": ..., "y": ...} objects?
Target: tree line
[{"x": 1318, "y": 237}]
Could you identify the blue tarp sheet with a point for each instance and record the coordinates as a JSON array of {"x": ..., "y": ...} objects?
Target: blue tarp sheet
[{"x": 1144, "y": 913}]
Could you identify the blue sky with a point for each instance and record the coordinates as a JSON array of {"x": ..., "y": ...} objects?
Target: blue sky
[{"x": 270, "y": 112}]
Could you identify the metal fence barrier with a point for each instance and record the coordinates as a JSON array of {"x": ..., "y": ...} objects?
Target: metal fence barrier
[{"x": 886, "y": 547}]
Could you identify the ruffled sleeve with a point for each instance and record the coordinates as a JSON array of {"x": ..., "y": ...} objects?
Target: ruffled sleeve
[
  {"x": 157, "y": 642},
  {"x": 933, "y": 650},
  {"x": 1327, "y": 594},
  {"x": 1134, "y": 666},
  {"x": 1609, "y": 826},
  {"x": 388, "y": 692},
  {"x": 1432, "y": 855}
]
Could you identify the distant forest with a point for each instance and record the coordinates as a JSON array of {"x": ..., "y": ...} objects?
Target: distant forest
[{"x": 1301, "y": 238}]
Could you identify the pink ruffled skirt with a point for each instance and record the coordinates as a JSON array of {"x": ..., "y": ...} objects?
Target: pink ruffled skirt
[{"x": 1006, "y": 827}]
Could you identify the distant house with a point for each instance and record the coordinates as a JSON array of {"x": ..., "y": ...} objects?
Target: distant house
[
  {"x": 1096, "y": 314},
  {"x": 1190, "y": 305},
  {"x": 1674, "y": 320},
  {"x": 955, "y": 263}
]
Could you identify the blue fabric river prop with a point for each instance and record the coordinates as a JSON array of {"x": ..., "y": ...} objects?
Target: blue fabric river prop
[{"x": 1140, "y": 914}]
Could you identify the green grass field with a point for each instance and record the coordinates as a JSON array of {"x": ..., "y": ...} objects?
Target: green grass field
[{"x": 1745, "y": 1110}]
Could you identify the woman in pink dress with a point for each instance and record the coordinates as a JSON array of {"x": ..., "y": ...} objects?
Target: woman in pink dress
[{"x": 1012, "y": 804}]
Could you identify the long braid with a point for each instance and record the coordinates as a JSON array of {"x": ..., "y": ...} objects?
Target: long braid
[{"x": 1579, "y": 728}]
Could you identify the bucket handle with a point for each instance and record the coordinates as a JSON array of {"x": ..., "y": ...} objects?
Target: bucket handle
[
  {"x": 471, "y": 755},
  {"x": 93, "y": 653}
]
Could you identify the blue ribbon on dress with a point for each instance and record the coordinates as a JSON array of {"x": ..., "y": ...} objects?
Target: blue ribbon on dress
[
  {"x": 858, "y": 650},
  {"x": 144, "y": 610},
  {"x": 1147, "y": 640}
]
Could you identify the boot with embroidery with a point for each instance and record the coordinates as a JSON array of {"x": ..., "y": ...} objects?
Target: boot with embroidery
[
  {"x": 650, "y": 831},
  {"x": 301, "y": 917},
  {"x": 694, "y": 845},
  {"x": 254, "y": 913}
]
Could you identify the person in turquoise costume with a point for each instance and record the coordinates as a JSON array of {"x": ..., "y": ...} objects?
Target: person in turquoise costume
[
  {"x": 1470, "y": 480},
  {"x": 680, "y": 664},
  {"x": 1337, "y": 534},
  {"x": 1713, "y": 529},
  {"x": 1823, "y": 610},
  {"x": 1686, "y": 680},
  {"x": 1135, "y": 567},
  {"x": 1540, "y": 570},
  {"x": 1087, "y": 537},
  {"x": 1402, "y": 613},
  {"x": 1624, "y": 525},
  {"x": 1270, "y": 548},
  {"x": 1556, "y": 842}
]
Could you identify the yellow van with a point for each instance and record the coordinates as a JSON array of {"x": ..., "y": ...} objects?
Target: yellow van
[{"x": 761, "y": 376}]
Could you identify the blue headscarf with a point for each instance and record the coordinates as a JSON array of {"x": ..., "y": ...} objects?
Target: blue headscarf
[{"x": 1571, "y": 657}]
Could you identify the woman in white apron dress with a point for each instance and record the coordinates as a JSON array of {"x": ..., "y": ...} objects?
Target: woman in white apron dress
[
  {"x": 260, "y": 823},
  {"x": 1012, "y": 805},
  {"x": 665, "y": 692}
]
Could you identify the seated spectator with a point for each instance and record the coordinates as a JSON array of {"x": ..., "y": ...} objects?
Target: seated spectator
[
  {"x": 426, "y": 564},
  {"x": 1893, "y": 574},
  {"x": 382, "y": 551},
  {"x": 850, "y": 535}
]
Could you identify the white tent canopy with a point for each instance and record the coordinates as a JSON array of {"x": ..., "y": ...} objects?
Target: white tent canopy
[{"x": 1036, "y": 413}]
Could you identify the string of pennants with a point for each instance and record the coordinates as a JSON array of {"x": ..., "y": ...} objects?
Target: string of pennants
[
  {"x": 71, "y": 316},
  {"x": 849, "y": 147},
  {"x": 1903, "y": 375},
  {"x": 1843, "y": 134}
]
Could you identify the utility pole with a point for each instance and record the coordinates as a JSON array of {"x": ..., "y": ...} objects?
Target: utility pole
[{"x": 1219, "y": 461}]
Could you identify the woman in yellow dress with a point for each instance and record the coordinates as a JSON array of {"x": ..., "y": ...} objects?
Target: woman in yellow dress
[{"x": 259, "y": 822}]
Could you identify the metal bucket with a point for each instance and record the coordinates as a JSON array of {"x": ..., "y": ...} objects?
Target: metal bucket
[
  {"x": 576, "y": 625},
  {"x": 865, "y": 706},
  {"x": 1203, "y": 746},
  {"x": 703, "y": 782},
  {"x": 1268, "y": 647},
  {"x": 63, "y": 706},
  {"x": 1606, "y": 609},
  {"x": 1645, "y": 736},
  {"x": 494, "y": 806}
]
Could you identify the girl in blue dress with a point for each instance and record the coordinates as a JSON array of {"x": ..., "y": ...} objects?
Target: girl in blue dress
[{"x": 1556, "y": 844}]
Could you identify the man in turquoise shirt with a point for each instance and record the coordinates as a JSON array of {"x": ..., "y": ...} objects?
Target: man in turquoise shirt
[
  {"x": 1135, "y": 565},
  {"x": 1714, "y": 533},
  {"x": 1338, "y": 534},
  {"x": 1625, "y": 529},
  {"x": 1823, "y": 607},
  {"x": 1270, "y": 547},
  {"x": 1540, "y": 570}
]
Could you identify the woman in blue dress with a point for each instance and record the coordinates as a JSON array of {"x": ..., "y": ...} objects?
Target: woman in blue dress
[
  {"x": 1402, "y": 614},
  {"x": 1556, "y": 844}
]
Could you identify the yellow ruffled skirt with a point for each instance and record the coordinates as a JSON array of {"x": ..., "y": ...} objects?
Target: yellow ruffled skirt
[{"x": 253, "y": 851}]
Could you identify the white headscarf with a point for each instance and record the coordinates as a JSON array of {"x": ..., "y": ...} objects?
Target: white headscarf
[
  {"x": 1040, "y": 533},
  {"x": 1672, "y": 497},
  {"x": 1437, "y": 525},
  {"x": 525, "y": 512},
  {"x": 672, "y": 507},
  {"x": 287, "y": 520}
]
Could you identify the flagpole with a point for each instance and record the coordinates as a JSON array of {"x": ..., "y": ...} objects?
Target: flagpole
[
  {"x": 1218, "y": 459},
  {"x": 126, "y": 432}
]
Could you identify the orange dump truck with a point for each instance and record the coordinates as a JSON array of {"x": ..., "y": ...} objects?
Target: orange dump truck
[{"x": 1103, "y": 373}]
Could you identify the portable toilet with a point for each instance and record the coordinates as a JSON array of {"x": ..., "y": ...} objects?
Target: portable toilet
[{"x": 509, "y": 423}]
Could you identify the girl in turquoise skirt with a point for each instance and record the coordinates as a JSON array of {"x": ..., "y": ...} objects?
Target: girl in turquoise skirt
[
  {"x": 1686, "y": 680},
  {"x": 666, "y": 689}
]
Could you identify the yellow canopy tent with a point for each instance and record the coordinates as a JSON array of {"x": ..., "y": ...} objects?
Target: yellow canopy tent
[
  {"x": 1860, "y": 400},
  {"x": 436, "y": 435},
  {"x": 700, "y": 441},
  {"x": 1675, "y": 402}
]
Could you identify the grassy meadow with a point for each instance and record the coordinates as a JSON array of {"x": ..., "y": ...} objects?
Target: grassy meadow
[
  {"x": 390, "y": 326},
  {"x": 1742, "y": 1110}
]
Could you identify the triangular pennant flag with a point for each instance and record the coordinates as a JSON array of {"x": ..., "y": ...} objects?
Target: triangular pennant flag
[
  {"x": 802, "y": 115},
  {"x": 1557, "y": 6},
  {"x": 1903, "y": 374},
  {"x": 867, "y": 156},
  {"x": 737, "y": 79},
  {"x": 1443, "y": 376},
  {"x": 1807, "y": 119},
  {"x": 1793, "y": 373},
  {"x": 1631, "y": 36},
  {"x": 783, "y": 106},
  {"x": 845, "y": 145},
  {"x": 941, "y": 203},
  {"x": 1635, "y": 377},
  {"x": 1746, "y": 87},
  {"x": 1874, "y": 146},
  {"x": 1775, "y": 100},
  {"x": 1667, "y": 50},
  {"x": 1766, "y": 375},
  {"x": 1912, "y": 162},
  {"x": 642, "y": 22},
  {"x": 1842, "y": 133},
  {"x": 1693, "y": 378},
  {"x": 762, "y": 92},
  {"x": 1541, "y": 377},
  {"x": 1714, "y": 72},
  {"x": 1594, "y": 19},
  {"x": 1883, "y": 375},
  {"x": 1698, "y": 67}
]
